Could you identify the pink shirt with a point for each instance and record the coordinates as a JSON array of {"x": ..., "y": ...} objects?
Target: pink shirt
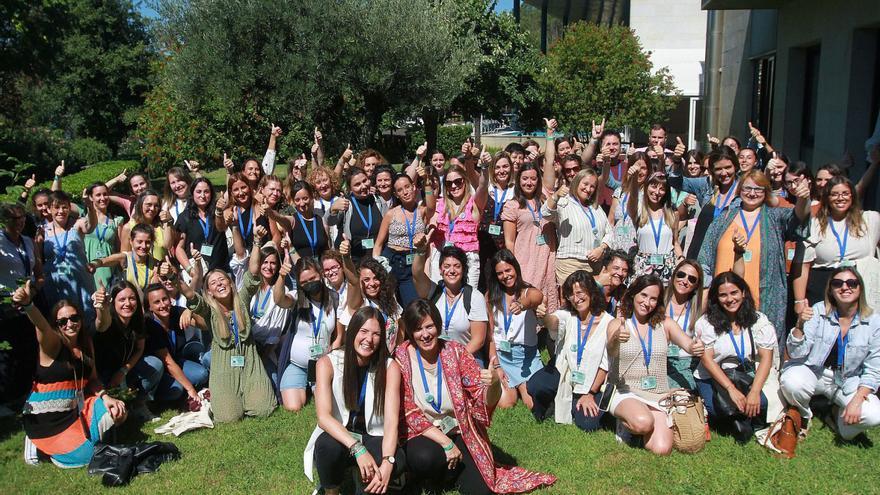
[{"x": 464, "y": 233}]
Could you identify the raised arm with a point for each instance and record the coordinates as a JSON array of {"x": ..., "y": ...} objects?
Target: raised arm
[
  {"x": 550, "y": 156},
  {"x": 481, "y": 195},
  {"x": 56, "y": 182},
  {"x": 870, "y": 172},
  {"x": 420, "y": 279},
  {"x": 47, "y": 337},
  {"x": 268, "y": 164},
  {"x": 343, "y": 163},
  {"x": 279, "y": 294},
  {"x": 254, "y": 262},
  {"x": 590, "y": 150},
  {"x": 318, "y": 149}
]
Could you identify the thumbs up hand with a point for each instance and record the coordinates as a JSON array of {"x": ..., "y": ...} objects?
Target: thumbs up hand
[
  {"x": 23, "y": 295},
  {"x": 99, "y": 298},
  {"x": 697, "y": 347},
  {"x": 488, "y": 376},
  {"x": 680, "y": 148},
  {"x": 421, "y": 150},
  {"x": 622, "y": 331}
]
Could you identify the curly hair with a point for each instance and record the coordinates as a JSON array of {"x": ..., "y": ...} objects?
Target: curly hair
[
  {"x": 854, "y": 220},
  {"x": 588, "y": 285},
  {"x": 316, "y": 172},
  {"x": 746, "y": 315},
  {"x": 641, "y": 283},
  {"x": 387, "y": 301}
]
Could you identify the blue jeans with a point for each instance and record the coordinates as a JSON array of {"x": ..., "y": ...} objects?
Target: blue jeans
[
  {"x": 706, "y": 390},
  {"x": 170, "y": 389},
  {"x": 406, "y": 289},
  {"x": 145, "y": 375},
  {"x": 581, "y": 419}
]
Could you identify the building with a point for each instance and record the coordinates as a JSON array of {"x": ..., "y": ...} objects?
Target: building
[{"x": 807, "y": 73}]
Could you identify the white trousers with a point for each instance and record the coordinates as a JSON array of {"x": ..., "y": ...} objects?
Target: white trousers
[{"x": 800, "y": 384}]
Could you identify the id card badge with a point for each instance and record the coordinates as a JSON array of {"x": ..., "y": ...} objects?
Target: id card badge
[
  {"x": 578, "y": 377},
  {"x": 573, "y": 348},
  {"x": 504, "y": 346},
  {"x": 673, "y": 351},
  {"x": 447, "y": 424},
  {"x": 789, "y": 254},
  {"x": 838, "y": 378},
  {"x": 648, "y": 383},
  {"x": 64, "y": 268},
  {"x": 448, "y": 244},
  {"x": 494, "y": 229},
  {"x": 236, "y": 361},
  {"x": 747, "y": 256},
  {"x": 409, "y": 259},
  {"x": 656, "y": 259},
  {"x": 847, "y": 264},
  {"x": 316, "y": 351},
  {"x": 206, "y": 250},
  {"x": 80, "y": 400},
  {"x": 445, "y": 336},
  {"x": 367, "y": 243},
  {"x": 625, "y": 231},
  {"x": 540, "y": 240}
]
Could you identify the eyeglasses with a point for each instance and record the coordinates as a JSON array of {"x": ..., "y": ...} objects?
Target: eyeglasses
[
  {"x": 60, "y": 322},
  {"x": 852, "y": 283},
  {"x": 840, "y": 195},
  {"x": 692, "y": 279},
  {"x": 456, "y": 183},
  {"x": 757, "y": 191},
  {"x": 331, "y": 270}
]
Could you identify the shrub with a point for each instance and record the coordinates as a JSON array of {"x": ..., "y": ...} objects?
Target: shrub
[
  {"x": 74, "y": 184},
  {"x": 449, "y": 138},
  {"x": 86, "y": 151}
]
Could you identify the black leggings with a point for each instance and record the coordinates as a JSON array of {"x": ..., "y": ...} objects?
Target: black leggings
[
  {"x": 426, "y": 460},
  {"x": 332, "y": 458}
]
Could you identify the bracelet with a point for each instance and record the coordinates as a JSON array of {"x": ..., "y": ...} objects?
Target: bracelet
[
  {"x": 361, "y": 451},
  {"x": 57, "y": 178},
  {"x": 449, "y": 447},
  {"x": 428, "y": 192},
  {"x": 27, "y": 307},
  {"x": 123, "y": 370},
  {"x": 101, "y": 393},
  {"x": 800, "y": 301}
]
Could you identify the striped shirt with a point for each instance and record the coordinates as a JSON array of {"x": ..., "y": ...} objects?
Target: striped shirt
[{"x": 575, "y": 229}]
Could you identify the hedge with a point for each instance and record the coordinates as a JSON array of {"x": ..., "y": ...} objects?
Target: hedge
[{"x": 74, "y": 184}]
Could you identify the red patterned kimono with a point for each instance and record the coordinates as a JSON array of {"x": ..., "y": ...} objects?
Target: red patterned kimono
[{"x": 462, "y": 376}]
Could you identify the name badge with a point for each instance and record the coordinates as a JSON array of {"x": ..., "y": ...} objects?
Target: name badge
[
  {"x": 445, "y": 336},
  {"x": 64, "y": 268},
  {"x": 503, "y": 345},
  {"x": 448, "y": 244},
  {"x": 236, "y": 361},
  {"x": 367, "y": 243},
  {"x": 747, "y": 256},
  {"x": 206, "y": 250},
  {"x": 656, "y": 259},
  {"x": 789, "y": 254},
  {"x": 573, "y": 348},
  {"x": 673, "y": 351},
  {"x": 409, "y": 259},
  {"x": 847, "y": 263},
  {"x": 625, "y": 231},
  {"x": 495, "y": 229},
  {"x": 316, "y": 351},
  {"x": 648, "y": 383},
  {"x": 578, "y": 377},
  {"x": 540, "y": 240},
  {"x": 447, "y": 424}
]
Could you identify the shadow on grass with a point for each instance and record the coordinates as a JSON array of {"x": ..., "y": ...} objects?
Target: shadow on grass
[{"x": 9, "y": 426}]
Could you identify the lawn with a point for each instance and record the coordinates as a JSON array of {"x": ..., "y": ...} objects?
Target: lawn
[{"x": 265, "y": 456}]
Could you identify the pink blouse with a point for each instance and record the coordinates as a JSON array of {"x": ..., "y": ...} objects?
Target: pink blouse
[{"x": 464, "y": 233}]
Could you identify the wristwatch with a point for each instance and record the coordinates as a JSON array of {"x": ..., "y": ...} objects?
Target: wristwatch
[{"x": 390, "y": 458}]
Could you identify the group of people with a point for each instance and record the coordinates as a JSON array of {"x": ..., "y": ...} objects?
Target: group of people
[{"x": 583, "y": 279}]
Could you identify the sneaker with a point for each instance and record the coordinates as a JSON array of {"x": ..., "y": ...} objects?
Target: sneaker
[
  {"x": 31, "y": 456},
  {"x": 623, "y": 435}
]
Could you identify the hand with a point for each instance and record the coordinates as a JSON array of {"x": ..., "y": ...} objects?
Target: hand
[
  {"x": 421, "y": 171},
  {"x": 598, "y": 129},
  {"x": 596, "y": 254},
  {"x": 562, "y": 192},
  {"x": 192, "y": 165},
  {"x": 262, "y": 207},
  {"x": 853, "y": 412},
  {"x": 30, "y": 183},
  {"x": 59, "y": 170},
  {"x": 193, "y": 394},
  {"x": 577, "y": 147},
  {"x": 121, "y": 177},
  {"x": 340, "y": 204},
  {"x": 421, "y": 150},
  {"x": 91, "y": 267},
  {"x": 286, "y": 266},
  {"x": 488, "y": 376},
  {"x": 587, "y": 405},
  {"x": 229, "y": 217},
  {"x": 541, "y": 311},
  {"x": 345, "y": 247},
  {"x": 23, "y": 295},
  {"x": 757, "y": 134},
  {"x": 420, "y": 241},
  {"x": 275, "y": 130},
  {"x": 622, "y": 331},
  {"x": 690, "y": 200},
  {"x": 260, "y": 232},
  {"x": 738, "y": 398},
  {"x": 551, "y": 127},
  {"x": 186, "y": 319},
  {"x": 533, "y": 155},
  {"x": 680, "y": 148},
  {"x": 114, "y": 406},
  {"x": 227, "y": 164},
  {"x": 379, "y": 483},
  {"x": 195, "y": 254},
  {"x": 300, "y": 163},
  {"x": 697, "y": 347},
  {"x": 318, "y": 136},
  {"x": 805, "y": 316},
  {"x": 347, "y": 154},
  {"x": 367, "y": 466},
  {"x": 285, "y": 243},
  {"x": 630, "y": 172},
  {"x": 515, "y": 307},
  {"x": 485, "y": 156},
  {"x": 739, "y": 241},
  {"x": 222, "y": 201},
  {"x": 658, "y": 150},
  {"x": 99, "y": 298},
  {"x": 165, "y": 216},
  {"x": 165, "y": 267},
  {"x": 315, "y": 148},
  {"x": 753, "y": 403},
  {"x": 802, "y": 191},
  {"x": 453, "y": 457},
  {"x": 713, "y": 141}
]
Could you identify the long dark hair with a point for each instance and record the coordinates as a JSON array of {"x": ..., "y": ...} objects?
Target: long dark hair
[
  {"x": 82, "y": 337},
  {"x": 350, "y": 389},
  {"x": 493, "y": 287},
  {"x": 641, "y": 282},
  {"x": 745, "y": 317},
  {"x": 518, "y": 194},
  {"x": 589, "y": 285},
  {"x": 191, "y": 204},
  {"x": 388, "y": 287},
  {"x": 303, "y": 264},
  {"x": 136, "y": 325}
]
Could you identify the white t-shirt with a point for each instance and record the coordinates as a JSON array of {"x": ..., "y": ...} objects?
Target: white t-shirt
[
  {"x": 268, "y": 320},
  {"x": 646, "y": 239},
  {"x": 824, "y": 251},
  {"x": 176, "y": 208},
  {"x": 459, "y": 326},
  {"x": 724, "y": 353},
  {"x": 523, "y": 327},
  {"x": 305, "y": 334}
]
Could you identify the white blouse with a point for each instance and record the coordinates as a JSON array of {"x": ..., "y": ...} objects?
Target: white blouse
[
  {"x": 724, "y": 353},
  {"x": 823, "y": 249}
]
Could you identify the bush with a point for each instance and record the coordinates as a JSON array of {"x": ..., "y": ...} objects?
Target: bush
[
  {"x": 86, "y": 151},
  {"x": 449, "y": 138},
  {"x": 74, "y": 184}
]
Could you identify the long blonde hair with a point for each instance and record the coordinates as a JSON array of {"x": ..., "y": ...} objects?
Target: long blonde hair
[
  {"x": 240, "y": 310},
  {"x": 447, "y": 200},
  {"x": 865, "y": 311},
  {"x": 697, "y": 296},
  {"x": 644, "y": 213}
]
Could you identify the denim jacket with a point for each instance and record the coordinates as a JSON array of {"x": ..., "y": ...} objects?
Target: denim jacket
[{"x": 862, "y": 361}]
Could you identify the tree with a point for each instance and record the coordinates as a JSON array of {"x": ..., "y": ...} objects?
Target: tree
[{"x": 597, "y": 72}]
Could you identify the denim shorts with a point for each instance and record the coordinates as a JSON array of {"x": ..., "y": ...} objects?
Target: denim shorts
[
  {"x": 294, "y": 377},
  {"x": 520, "y": 364}
]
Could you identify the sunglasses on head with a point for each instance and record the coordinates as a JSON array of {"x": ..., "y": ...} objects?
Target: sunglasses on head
[
  {"x": 852, "y": 283},
  {"x": 63, "y": 320},
  {"x": 692, "y": 279},
  {"x": 454, "y": 182}
]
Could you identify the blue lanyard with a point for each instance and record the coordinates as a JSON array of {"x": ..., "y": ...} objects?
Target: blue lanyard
[
  {"x": 727, "y": 199},
  {"x": 341, "y": 290},
  {"x": 368, "y": 222},
  {"x": 749, "y": 231},
  {"x": 439, "y": 398},
  {"x": 22, "y": 254},
  {"x": 625, "y": 197},
  {"x": 313, "y": 237},
  {"x": 451, "y": 224},
  {"x": 134, "y": 268},
  {"x": 535, "y": 216},
  {"x": 842, "y": 342},
  {"x": 619, "y": 172},
  {"x": 508, "y": 317},
  {"x": 588, "y": 212},
  {"x": 102, "y": 234},
  {"x": 60, "y": 249},
  {"x": 363, "y": 394},
  {"x": 235, "y": 329},
  {"x": 498, "y": 204},
  {"x": 657, "y": 231},
  {"x": 245, "y": 232},
  {"x": 646, "y": 351},
  {"x": 316, "y": 321},
  {"x": 687, "y": 315},
  {"x": 172, "y": 338},
  {"x": 612, "y": 304},
  {"x": 374, "y": 305},
  {"x": 449, "y": 312},
  {"x": 741, "y": 350},
  {"x": 206, "y": 228},
  {"x": 324, "y": 207},
  {"x": 176, "y": 209},
  {"x": 841, "y": 245},
  {"x": 262, "y": 304},
  {"x": 582, "y": 340},
  {"x": 410, "y": 229}
]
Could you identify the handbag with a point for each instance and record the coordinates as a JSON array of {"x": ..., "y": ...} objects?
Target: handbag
[
  {"x": 742, "y": 377},
  {"x": 688, "y": 420},
  {"x": 784, "y": 433}
]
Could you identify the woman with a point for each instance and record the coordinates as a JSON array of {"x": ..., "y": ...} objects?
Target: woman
[
  {"x": 458, "y": 216},
  {"x": 684, "y": 298},
  {"x": 715, "y": 195},
  {"x": 64, "y": 257},
  {"x": 252, "y": 172},
  {"x": 530, "y": 236},
  {"x": 638, "y": 366},
  {"x": 835, "y": 352},
  {"x": 103, "y": 240},
  {"x": 176, "y": 194},
  {"x": 765, "y": 230},
  {"x": 239, "y": 383},
  {"x": 244, "y": 209},
  {"x": 139, "y": 266},
  {"x": 337, "y": 279},
  {"x": 147, "y": 211},
  {"x": 462, "y": 307},
  {"x": 308, "y": 235},
  {"x": 656, "y": 224},
  {"x": 448, "y": 403},
  {"x": 271, "y": 192},
  {"x": 490, "y": 234},
  {"x": 693, "y": 164},
  {"x": 327, "y": 198},
  {"x": 372, "y": 285},
  {"x": 201, "y": 226},
  {"x": 630, "y": 191},
  {"x": 511, "y": 305},
  {"x": 383, "y": 180},
  {"x": 841, "y": 234},
  {"x": 311, "y": 335},
  {"x": 736, "y": 337},
  {"x": 398, "y": 231},
  {"x": 579, "y": 331},
  {"x": 359, "y": 223},
  {"x": 357, "y": 401},
  {"x": 583, "y": 229},
  {"x": 68, "y": 411}
]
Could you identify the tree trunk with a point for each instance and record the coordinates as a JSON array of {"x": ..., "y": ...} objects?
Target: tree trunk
[
  {"x": 431, "y": 119},
  {"x": 373, "y": 110}
]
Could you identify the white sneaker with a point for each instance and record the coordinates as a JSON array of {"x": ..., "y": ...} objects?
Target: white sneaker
[
  {"x": 31, "y": 457},
  {"x": 622, "y": 434}
]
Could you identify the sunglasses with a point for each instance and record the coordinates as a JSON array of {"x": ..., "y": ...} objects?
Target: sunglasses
[
  {"x": 692, "y": 279},
  {"x": 454, "y": 183},
  {"x": 169, "y": 278},
  {"x": 60, "y": 322},
  {"x": 852, "y": 283}
]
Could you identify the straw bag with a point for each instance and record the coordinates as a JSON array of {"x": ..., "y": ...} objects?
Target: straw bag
[{"x": 688, "y": 420}]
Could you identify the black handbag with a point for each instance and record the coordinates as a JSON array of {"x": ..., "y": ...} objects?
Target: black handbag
[
  {"x": 118, "y": 464},
  {"x": 742, "y": 377}
]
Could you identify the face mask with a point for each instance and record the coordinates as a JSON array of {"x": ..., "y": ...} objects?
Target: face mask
[{"x": 313, "y": 288}]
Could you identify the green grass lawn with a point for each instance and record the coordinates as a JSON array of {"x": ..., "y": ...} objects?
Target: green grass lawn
[{"x": 265, "y": 456}]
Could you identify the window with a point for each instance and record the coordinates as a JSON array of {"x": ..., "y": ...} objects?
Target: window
[
  {"x": 763, "y": 85},
  {"x": 808, "y": 104}
]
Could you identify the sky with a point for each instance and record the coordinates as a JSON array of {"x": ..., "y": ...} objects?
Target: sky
[{"x": 504, "y": 5}]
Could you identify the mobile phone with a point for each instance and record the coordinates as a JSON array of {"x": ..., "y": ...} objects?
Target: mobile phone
[
  {"x": 312, "y": 372},
  {"x": 608, "y": 393}
]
